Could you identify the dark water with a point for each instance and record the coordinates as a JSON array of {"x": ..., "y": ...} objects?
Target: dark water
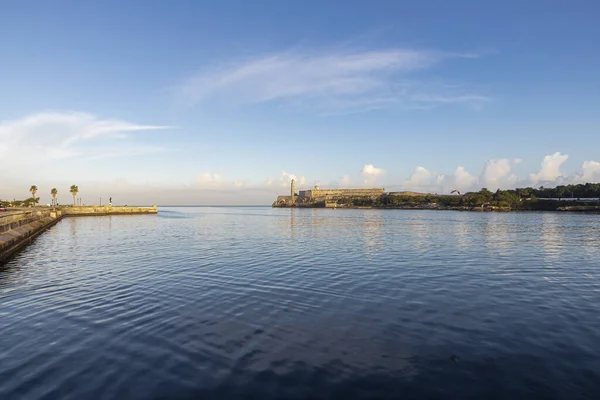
[{"x": 262, "y": 303}]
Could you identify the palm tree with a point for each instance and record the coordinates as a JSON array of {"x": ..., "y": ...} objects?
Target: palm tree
[
  {"x": 74, "y": 190},
  {"x": 54, "y": 192},
  {"x": 33, "y": 189}
]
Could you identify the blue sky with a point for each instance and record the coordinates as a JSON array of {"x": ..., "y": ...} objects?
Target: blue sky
[{"x": 223, "y": 102}]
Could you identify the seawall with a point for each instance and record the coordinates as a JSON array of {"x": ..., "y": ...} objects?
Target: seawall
[
  {"x": 106, "y": 210},
  {"x": 19, "y": 228}
]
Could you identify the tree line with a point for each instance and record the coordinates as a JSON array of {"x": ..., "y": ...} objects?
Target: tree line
[
  {"x": 521, "y": 198},
  {"x": 33, "y": 200}
]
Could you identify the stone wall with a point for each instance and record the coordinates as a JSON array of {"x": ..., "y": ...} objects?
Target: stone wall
[
  {"x": 322, "y": 193},
  {"x": 14, "y": 219},
  {"x": 18, "y": 229}
]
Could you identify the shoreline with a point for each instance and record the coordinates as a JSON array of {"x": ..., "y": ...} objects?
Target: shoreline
[{"x": 573, "y": 209}]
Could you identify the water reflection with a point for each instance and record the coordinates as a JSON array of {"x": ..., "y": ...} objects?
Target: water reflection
[
  {"x": 590, "y": 233},
  {"x": 373, "y": 240},
  {"x": 551, "y": 235},
  {"x": 462, "y": 228},
  {"x": 495, "y": 231},
  {"x": 418, "y": 231}
]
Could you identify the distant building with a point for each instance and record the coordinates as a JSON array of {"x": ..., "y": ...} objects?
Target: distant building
[
  {"x": 326, "y": 197},
  {"x": 317, "y": 193}
]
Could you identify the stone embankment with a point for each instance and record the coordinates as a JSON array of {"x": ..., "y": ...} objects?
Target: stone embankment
[{"x": 19, "y": 228}]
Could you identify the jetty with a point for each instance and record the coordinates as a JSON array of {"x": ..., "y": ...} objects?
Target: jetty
[{"x": 20, "y": 227}]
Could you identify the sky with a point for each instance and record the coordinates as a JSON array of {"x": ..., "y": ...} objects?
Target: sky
[{"x": 197, "y": 102}]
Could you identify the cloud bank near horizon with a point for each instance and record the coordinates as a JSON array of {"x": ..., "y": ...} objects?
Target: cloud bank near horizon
[
  {"x": 497, "y": 174},
  {"x": 214, "y": 188}
]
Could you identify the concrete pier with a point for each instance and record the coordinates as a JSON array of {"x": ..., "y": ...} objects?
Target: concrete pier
[{"x": 19, "y": 228}]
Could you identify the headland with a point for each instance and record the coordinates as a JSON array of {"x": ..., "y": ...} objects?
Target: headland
[
  {"x": 19, "y": 226},
  {"x": 583, "y": 198}
]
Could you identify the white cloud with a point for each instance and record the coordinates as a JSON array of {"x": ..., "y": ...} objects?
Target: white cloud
[
  {"x": 496, "y": 173},
  {"x": 550, "y": 170},
  {"x": 284, "y": 180},
  {"x": 461, "y": 180},
  {"x": 370, "y": 173},
  {"x": 208, "y": 178},
  {"x": 423, "y": 180},
  {"x": 345, "y": 180},
  {"x": 419, "y": 179},
  {"x": 48, "y": 136},
  {"x": 330, "y": 80},
  {"x": 589, "y": 172},
  {"x": 218, "y": 182}
]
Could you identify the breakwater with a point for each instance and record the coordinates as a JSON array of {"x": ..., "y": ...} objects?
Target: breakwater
[
  {"x": 19, "y": 228},
  {"x": 107, "y": 210}
]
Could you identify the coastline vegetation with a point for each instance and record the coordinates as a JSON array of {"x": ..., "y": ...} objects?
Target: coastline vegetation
[
  {"x": 33, "y": 200},
  {"x": 514, "y": 199}
]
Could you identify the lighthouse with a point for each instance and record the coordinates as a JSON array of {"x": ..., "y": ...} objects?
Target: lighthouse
[{"x": 293, "y": 191}]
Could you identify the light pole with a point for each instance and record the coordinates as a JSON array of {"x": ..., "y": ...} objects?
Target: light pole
[{"x": 100, "y": 201}]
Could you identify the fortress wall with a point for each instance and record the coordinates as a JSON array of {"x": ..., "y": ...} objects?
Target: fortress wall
[
  {"x": 347, "y": 192},
  {"x": 316, "y": 196}
]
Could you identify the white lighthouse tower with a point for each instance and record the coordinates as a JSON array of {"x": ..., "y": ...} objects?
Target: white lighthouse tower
[{"x": 293, "y": 191}]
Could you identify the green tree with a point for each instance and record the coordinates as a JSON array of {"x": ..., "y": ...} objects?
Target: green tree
[
  {"x": 30, "y": 201},
  {"x": 74, "y": 190},
  {"x": 560, "y": 192},
  {"x": 33, "y": 189},
  {"x": 487, "y": 195},
  {"x": 54, "y": 192}
]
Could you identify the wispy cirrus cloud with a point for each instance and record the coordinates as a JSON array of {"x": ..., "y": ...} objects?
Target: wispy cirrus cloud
[
  {"x": 127, "y": 151},
  {"x": 49, "y": 136},
  {"x": 329, "y": 80}
]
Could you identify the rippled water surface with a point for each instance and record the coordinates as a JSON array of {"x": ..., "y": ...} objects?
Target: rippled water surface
[{"x": 278, "y": 303}]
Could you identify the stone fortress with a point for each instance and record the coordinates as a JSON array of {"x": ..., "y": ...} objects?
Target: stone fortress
[{"x": 318, "y": 197}]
